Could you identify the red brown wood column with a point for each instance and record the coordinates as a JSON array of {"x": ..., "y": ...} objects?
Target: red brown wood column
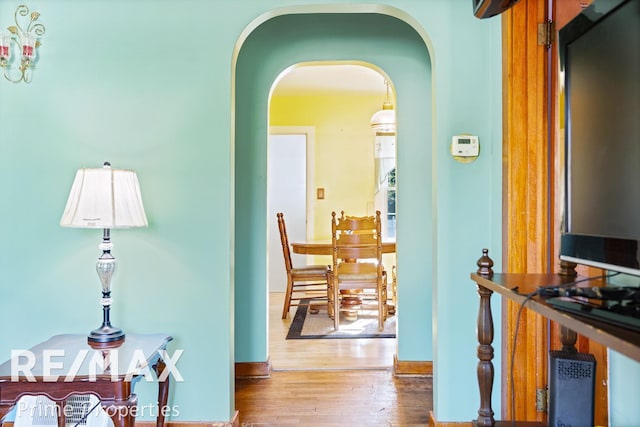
[{"x": 526, "y": 245}]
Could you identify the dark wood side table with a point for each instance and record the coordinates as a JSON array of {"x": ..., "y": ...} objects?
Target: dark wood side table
[
  {"x": 622, "y": 340},
  {"x": 65, "y": 365}
]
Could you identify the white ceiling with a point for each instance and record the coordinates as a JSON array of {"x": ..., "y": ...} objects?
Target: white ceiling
[{"x": 333, "y": 77}]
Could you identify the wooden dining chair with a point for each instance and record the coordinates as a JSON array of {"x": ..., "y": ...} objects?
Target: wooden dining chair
[
  {"x": 307, "y": 282},
  {"x": 357, "y": 262}
]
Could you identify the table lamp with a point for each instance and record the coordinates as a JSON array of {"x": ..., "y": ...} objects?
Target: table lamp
[{"x": 105, "y": 198}]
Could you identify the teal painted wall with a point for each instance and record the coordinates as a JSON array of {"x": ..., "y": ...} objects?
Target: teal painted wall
[
  {"x": 469, "y": 204},
  {"x": 119, "y": 81},
  {"x": 147, "y": 85},
  {"x": 624, "y": 380}
]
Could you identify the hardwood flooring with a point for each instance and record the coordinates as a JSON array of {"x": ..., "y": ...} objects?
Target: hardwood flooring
[
  {"x": 322, "y": 354},
  {"x": 344, "y": 382},
  {"x": 334, "y": 398}
]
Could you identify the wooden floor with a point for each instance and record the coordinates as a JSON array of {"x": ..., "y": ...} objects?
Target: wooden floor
[
  {"x": 322, "y": 354},
  {"x": 335, "y": 382}
]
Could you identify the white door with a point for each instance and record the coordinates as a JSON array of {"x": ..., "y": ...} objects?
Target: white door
[{"x": 286, "y": 193}]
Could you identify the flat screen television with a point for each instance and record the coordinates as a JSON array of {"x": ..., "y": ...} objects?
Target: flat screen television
[{"x": 599, "y": 58}]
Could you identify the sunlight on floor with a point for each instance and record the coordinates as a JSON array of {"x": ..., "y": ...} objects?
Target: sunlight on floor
[{"x": 322, "y": 353}]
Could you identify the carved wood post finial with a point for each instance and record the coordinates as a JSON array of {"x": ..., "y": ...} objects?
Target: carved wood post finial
[
  {"x": 484, "y": 264},
  {"x": 568, "y": 268}
]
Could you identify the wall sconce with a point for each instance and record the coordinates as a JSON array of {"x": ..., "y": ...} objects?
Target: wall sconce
[{"x": 24, "y": 41}]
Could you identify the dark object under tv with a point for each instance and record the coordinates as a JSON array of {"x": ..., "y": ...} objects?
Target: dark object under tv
[
  {"x": 572, "y": 378},
  {"x": 599, "y": 56},
  {"x": 488, "y": 8}
]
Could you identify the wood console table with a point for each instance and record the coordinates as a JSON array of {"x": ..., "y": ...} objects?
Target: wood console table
[
  {"x": 616, "y": 338},
  {"x": 65, "y": 365}
]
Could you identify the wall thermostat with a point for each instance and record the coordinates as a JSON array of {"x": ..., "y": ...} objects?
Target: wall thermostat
[{"x": 465, "y": 147}]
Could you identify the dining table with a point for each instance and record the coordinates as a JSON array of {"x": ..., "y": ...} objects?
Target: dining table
[{"x": 326, "y": 248}]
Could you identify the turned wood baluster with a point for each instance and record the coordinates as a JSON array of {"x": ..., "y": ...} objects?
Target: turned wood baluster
[
  {"x": 568, "y": 269},
  {"x": 485, "y": 350},
  {"x": 568, "y": 338}
]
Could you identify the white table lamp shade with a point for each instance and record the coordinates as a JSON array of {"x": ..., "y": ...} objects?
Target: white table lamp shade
[{"x": 104, "y": 198}]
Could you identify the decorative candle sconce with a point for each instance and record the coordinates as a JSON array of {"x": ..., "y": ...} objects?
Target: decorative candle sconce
[{"x": 24, "y": 41}]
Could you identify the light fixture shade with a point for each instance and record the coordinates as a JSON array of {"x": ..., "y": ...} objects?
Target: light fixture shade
[
  {"x": 384, "y": 121},
  {"x": 104, "y": 198},
  {"x": 5, "y": 46},
  {"x": 29, "y": 44}
]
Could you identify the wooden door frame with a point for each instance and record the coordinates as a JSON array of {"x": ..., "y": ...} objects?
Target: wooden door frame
[
  {"x": 526, "y": 200},
  {"x": 532, "y": 150}
]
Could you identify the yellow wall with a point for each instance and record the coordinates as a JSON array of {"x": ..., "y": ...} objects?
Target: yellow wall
[{"x": 344, "y": 142}]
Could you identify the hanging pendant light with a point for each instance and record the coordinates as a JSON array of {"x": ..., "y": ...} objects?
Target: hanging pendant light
[{"x": 384, "y": 121}]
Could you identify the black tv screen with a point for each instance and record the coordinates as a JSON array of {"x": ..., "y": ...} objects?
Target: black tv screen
[{"x": 599, "y": 57}]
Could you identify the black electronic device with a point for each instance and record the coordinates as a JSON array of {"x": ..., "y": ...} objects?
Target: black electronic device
[
  {"x": 616, "y": 305},
  {"x": 605, "y": 293},
  {"x": 623, "y": 314},
  {"x": 488, "y": 8},
  {"x": 572, "y": 379},
  {"x": 600, "y": 61}
]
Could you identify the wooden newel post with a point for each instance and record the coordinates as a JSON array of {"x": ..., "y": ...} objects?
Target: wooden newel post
[{"x": 485, "y": 350}]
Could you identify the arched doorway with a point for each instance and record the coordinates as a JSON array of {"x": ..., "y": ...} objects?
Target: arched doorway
[
  {"x": 336, "y": 100},
  {"x": 363, "y": 33}
]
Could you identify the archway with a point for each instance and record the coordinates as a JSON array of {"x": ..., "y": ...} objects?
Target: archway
[{"x": 355, "y": 33}]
